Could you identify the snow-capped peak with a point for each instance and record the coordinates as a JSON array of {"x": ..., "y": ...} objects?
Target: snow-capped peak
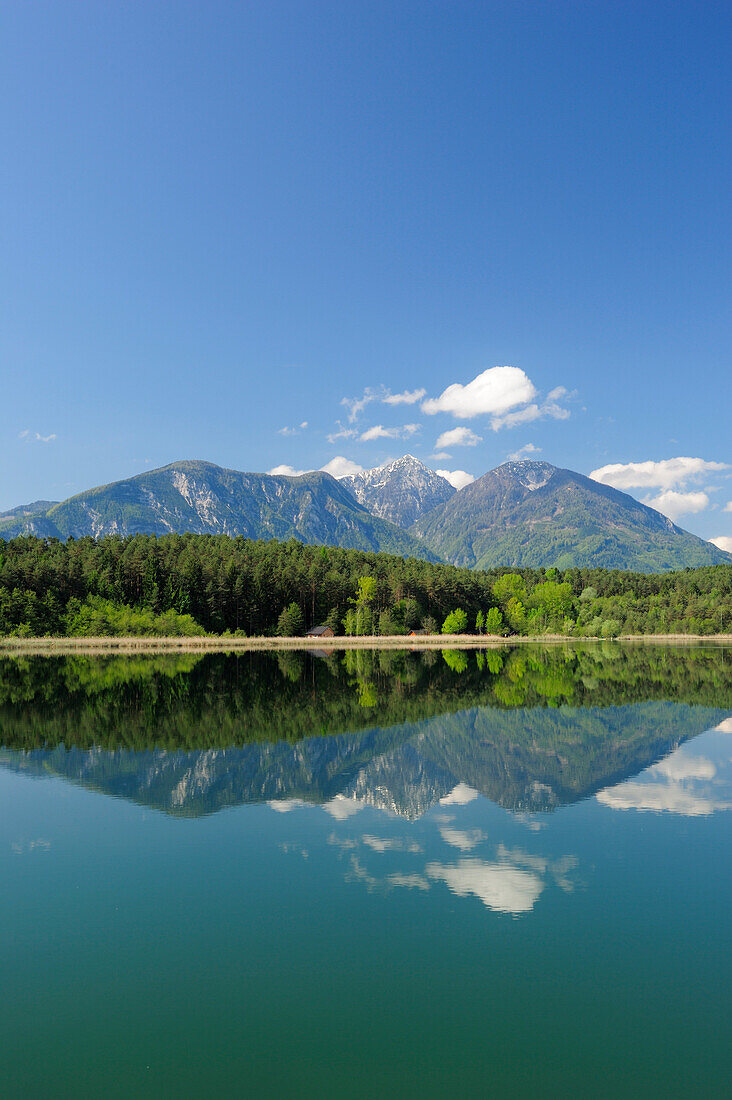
[
  {"x": 400, "y": 490},
  {"x": 532, "y": 475}
]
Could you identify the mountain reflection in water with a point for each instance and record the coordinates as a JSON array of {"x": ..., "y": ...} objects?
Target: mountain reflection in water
[{"x": 530, "y": 729}]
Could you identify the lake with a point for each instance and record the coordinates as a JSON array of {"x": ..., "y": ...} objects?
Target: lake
[{"x": 501, "y": 872}]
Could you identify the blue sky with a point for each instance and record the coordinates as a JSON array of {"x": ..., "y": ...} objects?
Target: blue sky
[{"x": 220, "y": 220}]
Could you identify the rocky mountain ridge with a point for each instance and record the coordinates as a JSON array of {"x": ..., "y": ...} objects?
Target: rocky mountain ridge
[
  {"x": 206, "y": 499},
  {"x": 400, "y": 491}
]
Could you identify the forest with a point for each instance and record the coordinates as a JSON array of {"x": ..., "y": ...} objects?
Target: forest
[{"x": 214, "y": 584}]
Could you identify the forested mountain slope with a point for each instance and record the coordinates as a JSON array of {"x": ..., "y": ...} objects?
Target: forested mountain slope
[{"x": 533, "y": 514}]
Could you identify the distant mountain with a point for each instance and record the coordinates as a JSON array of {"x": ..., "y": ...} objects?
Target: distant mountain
[
  {"x": 400, "y": 491},
  {"x": 28, "y": 509},
  {"x": 520, "y": 514},
  {"x": 534, "y": 514},
  {"x": 207, "y": 499}
]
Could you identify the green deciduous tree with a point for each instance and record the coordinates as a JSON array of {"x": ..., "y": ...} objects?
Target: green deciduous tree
[
  {"x": 493, "y": 621},
  {"x": 456, "y": 622}
]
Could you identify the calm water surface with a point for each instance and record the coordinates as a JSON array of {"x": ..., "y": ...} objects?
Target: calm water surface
[{"x": 502, "y": 873}]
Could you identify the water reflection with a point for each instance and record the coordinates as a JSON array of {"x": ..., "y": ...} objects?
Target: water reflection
[
  {"x": 693, "y": 781},
  {"x": 196, "y": 735},
  {"x": 504, "y": 887},
  {"x": 429, "y": 743},
  {"x": 505, "y": 879}
]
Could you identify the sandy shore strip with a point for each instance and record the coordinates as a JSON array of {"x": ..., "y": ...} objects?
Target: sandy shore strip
[{"x": 219, "y": 644}]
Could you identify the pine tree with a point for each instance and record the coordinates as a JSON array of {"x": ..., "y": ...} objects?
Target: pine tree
[{"x": 290, "y": 623}]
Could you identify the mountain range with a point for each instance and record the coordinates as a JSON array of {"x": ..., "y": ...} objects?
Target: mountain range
[
  {"x": 207, "y": 499},
  {"x": 522, "y": 514}
]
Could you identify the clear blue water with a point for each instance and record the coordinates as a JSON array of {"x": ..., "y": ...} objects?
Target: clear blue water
[{"x": 413, "y": 897}]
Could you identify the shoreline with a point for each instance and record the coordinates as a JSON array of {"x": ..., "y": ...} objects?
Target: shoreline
[{"x": 49, "y": 646}]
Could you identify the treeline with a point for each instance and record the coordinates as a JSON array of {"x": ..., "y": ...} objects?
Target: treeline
[{"x": 189, "y": 584}]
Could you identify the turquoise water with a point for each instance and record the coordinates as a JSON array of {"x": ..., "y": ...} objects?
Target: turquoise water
[{"x": 364, "y": 875}]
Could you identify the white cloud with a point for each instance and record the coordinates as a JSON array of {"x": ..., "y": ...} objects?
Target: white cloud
[
  {"x": 287, "y": 471},
  {"x": 409, "y": 397},
  {"x": 457, "y": 478},
  {"x": 522, "y": 452},
  {"x": 342, "y": 433},
  {"x": 391, "y": 844},
  {"x": 293, "y": 431},
  {"x": 342, "y": 808},
  {"x": 495, "y": 391},
  {"x": 36, "y": 437},
  {"x": 341, "y": 467},
  {"x": 669, "y": 473},
  {"x": 465, "y": 840},
  {"x": 531, "y": 412},
  {"x": 728, "y": 506},
  {"x": 724, "y": 542},
  {"x": 673, "y": 798},
  {"x": 457, "y": 437},
  {"x": 459, "y": 796},
  {"x": 684, "y": 783},
  {"x": 441, "y": 456},
  {"x": 513, "y": 419},
  {"x": 674, "y": 504},
  {"x": 683, "y": 765},
  {"x": 500, "y": 886},
  {"x": 285, "y": 805},
  {"x": 380, "y": 432},
  {"x": 337, "y": 467},
  {"x": 356, "y": 405},
  {"x": 411, "y": 882}
]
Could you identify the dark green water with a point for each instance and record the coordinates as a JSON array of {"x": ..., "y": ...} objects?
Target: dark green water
[{"x": 493, "y": 874}]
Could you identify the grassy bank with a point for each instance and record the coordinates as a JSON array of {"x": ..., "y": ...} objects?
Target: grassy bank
[{"x": 212, "y": 643}]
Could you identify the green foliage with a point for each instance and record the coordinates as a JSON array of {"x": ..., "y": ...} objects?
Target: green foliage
[
  {"x": 551, "y": 599},
  {"x": 455, "y": 659},
  {"x": 389, "y": 625},
  {"x": 365, "y": 591},
  {"x": 493, "y": 621},
  {"x": 332, "y": 620},
  {"x": 516, "y": 615},
  {"x": 456, "y": 622},
  {"x": 291, "y": 622},
  {"x": 479, "y": 622},
  {"x": 97, "y": 617},
  {"x": 232, "y": 584},
  {"x": 509, "y": 586}
]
